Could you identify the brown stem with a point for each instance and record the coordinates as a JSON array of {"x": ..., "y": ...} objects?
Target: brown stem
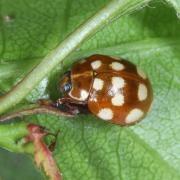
[{"x": 35, "y": 110}]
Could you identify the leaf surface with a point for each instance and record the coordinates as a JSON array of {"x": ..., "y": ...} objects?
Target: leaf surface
[{"x": 86, "y": 147}]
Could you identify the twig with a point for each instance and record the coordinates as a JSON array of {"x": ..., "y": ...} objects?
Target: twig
[{"x": 35, "y": 110}]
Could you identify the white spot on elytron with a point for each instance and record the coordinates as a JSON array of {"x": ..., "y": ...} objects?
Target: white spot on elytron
[
  {"x": 142, "y": 92},
  {"x": 96, "y": 64},
  {"x": 117, "y": 66},
  {"x": 141, "y": 73},
  {"x": 84, "y": 94},
  {"x": 98, "y": 84},
  {"x": 118, "y": 100},
  {"x": 105, "y": 114},
  {"x": 134, "y": 115},
  {"x": 118, "y": 82}
]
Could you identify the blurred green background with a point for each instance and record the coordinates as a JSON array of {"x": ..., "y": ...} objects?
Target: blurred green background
[{"x": 19, "y": 165}]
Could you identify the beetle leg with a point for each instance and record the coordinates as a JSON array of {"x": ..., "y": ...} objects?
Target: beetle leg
[
  {"x": 70, "y": 100},
  {"x": 67, "y": 107},
  {"x": 63, "y": 105},
  {"x": 72, "y": 106}
]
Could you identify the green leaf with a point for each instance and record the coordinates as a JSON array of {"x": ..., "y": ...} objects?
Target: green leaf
[
  {"x": 114, "y": 8},
  {"x": 19, "y": 165},
  {"x": 88, "y": 148},
  {"x": 176, "y": 5}
]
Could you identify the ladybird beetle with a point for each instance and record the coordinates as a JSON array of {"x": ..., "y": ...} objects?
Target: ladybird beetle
[{"x": 111, "y": 88}]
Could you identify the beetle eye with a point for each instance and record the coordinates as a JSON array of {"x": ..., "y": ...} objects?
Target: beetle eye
[{"x": 67, "y": 87}]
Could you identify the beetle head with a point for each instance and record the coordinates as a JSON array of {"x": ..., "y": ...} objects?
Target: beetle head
[{"x": 65, "y": 83}]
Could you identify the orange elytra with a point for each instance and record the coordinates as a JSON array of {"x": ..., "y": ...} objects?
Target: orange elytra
[{"x": 111, "y": 88}]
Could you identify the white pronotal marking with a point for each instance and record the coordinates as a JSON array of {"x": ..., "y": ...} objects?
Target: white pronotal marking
[
  {"x": 84, "y": 94},
  {"x": 105, "y": 114},
  {"x": 117, "y": 66},
  {"x": 141, "y": 73},
  {"x": 142, "y": 92},
  {"x": 98, "y": 84},
  {"x": 96, "y": 64},
  {"x": 70, "y": 94},
  {"x": 134, "y": 115},
  {"x": 118, "y": 100},
  {"x": 118, "y": 82}
]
